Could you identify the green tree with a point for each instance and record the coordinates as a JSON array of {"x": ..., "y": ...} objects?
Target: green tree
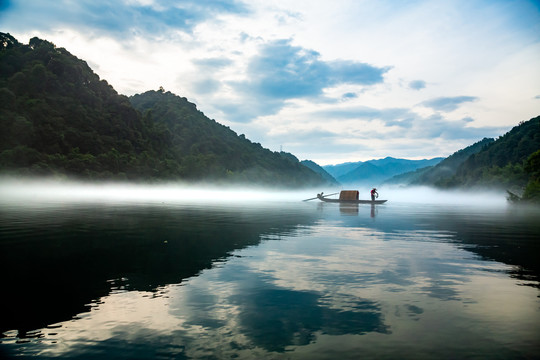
[{"x": 532, "y": 190}]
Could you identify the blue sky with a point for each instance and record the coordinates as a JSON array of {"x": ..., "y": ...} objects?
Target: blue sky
[{"x": 338, "y": 81}]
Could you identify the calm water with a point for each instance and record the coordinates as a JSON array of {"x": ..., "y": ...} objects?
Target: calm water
[{"x": 270, "y": 279}]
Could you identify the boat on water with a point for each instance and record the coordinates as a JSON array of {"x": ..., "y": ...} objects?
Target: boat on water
[{"x": 349, "y": 197}]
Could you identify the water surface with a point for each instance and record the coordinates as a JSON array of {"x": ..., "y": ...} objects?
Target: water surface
[{"x": 268, "y": 279}]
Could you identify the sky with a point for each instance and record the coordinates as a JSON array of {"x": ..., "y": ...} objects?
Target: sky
[{"x": 329, "y": 81}]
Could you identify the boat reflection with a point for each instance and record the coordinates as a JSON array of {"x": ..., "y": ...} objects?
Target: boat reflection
[
  {"x": 353, "y": 209},
  {"x": 348, "y": 209}
]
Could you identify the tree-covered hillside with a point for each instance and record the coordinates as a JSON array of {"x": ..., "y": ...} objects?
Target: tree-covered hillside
[
  {"x": 440, "y": 174},
  {"x": 210, "y": 150},
  {"x": 511, "y": 162},
  {"x": 59, "y": 118},
  {"x": 503, "y": 161},
  {"x": 318, "y": 169}
]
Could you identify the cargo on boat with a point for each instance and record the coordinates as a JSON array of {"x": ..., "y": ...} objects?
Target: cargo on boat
[{"x": 350, "y": 197}]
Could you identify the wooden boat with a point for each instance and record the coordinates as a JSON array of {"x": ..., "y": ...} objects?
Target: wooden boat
[{"x": 349, "y": 197}]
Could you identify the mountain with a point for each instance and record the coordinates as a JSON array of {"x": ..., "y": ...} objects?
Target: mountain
[
  {"x": 513, "y": 148},
  {"x": 510, "y": 162},
  {"x": 341, "y": 169},
  {"x": 59, "y": 118},
  {"x": 448, "y": 167},
  {"x": 408, "y": 177},
  {"x": 507, "y": 162},
  {"x": 213, "y": 151},
  {"x": 374, "y": 172},
  {"x": 319, "y": 170},
  {"x": 365, "y": 173}
]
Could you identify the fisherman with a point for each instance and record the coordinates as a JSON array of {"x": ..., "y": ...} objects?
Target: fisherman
[{"x": 374, "y": 194}]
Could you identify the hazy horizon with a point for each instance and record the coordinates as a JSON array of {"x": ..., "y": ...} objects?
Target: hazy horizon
[{"x": 26, "y": 191}]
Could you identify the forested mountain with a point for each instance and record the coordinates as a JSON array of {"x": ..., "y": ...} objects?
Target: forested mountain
[
  {"x": 318, "y": 169},
  {"x": 503, "y": 161},
  {"x": 58, "y": 117},
  {"x": 213, "y": 151},
  {"x": 440, "y": 173},
  {"x": 511, "y": 162},
  {"x": 408, "y": 177},
  {"x": 374, "y": 172}
]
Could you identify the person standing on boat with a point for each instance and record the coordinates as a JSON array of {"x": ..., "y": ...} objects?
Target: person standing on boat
[{"x": 374, "y": 194}]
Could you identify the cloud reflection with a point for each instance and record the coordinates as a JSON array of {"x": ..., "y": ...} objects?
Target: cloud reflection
[{"x": 276, "y": 318}]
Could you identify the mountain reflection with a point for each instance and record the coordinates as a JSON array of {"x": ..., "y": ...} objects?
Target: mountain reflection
[{"x": 61, "y": 259}]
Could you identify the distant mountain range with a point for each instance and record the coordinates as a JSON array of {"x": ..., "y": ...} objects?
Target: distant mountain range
[
  {"x": 435, "y": 175},
  {"x": 375, "y": 172}
]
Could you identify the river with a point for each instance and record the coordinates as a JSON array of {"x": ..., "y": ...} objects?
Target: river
[{"x": 267, "y": 277}]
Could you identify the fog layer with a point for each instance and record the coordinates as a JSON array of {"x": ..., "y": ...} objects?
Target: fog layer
[{"x": 43, "y": 191}]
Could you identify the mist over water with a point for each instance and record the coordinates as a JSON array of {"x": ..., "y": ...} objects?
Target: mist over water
[
  {"x": 427, "y": 195},
  {"x": 34, "y": 191}
]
